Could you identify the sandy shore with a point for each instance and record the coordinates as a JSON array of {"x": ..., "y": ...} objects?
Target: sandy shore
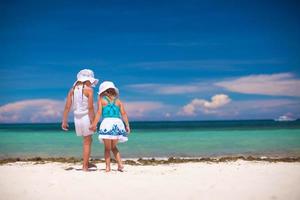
[{"x": 204, "y": 180}]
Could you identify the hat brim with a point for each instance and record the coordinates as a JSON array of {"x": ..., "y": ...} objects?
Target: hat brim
[
  {"x": 93, "y": 81},
  {"x": 106, "y": 88}
]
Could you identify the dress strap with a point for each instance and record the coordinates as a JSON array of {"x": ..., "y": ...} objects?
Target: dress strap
[
  {"x": 107, "y": 99},
  {"x": 114, "y": 101}
]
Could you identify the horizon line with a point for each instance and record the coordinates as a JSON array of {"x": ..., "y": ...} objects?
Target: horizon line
[{"x": 154, "y": 121}]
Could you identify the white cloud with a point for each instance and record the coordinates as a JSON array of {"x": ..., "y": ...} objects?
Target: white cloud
[
  {"x": 168, "y": 89},
  {"x": 282, "y": 84},
  {"x": 142, "y": 109},
  {"x": 219, "y": 107},
  {"x": 38, "y": 110},
  {"x": 168, "y": 115},
  {"x": 201, "y": 105},
  {"x": 260, "y": 109},
  {"x": 243, "y": 109},
  {"x": 49, "y": 110}
]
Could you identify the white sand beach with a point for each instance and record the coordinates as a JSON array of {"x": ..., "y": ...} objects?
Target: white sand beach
[{"x": 226, "y": 180}]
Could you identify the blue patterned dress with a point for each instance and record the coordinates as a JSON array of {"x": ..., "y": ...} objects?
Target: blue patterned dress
[{"x": 112, "y": 127}]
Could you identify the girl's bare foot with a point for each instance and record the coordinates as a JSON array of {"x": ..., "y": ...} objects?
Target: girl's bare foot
[
  {"x": 85, "y": 169},
  {"x": 107, "y": 169},
  {"x": 121, "y": 168},
  {"x": 91, "y": 165}
]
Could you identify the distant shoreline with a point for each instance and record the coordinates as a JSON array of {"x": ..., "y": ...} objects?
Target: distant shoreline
[{"x": 154, "y": 161}]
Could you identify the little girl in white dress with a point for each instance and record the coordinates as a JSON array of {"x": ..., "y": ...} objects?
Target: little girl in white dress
[{"x": 81, "y": 97}]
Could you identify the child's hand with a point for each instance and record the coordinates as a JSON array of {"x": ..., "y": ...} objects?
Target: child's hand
[
  {"x": 93, "y": 127},
  {"x": 127, "y": 129},
  {"x": 65, "y": 126}
]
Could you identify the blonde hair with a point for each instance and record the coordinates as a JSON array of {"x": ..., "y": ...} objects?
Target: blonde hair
[
  {"x": 109, "y": 92},
  {"x": 79, "y": 83}
]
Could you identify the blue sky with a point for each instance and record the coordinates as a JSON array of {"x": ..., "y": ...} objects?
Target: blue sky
[{"x": 172, "y": 60}]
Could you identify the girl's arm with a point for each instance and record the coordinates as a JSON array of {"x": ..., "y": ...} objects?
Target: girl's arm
[
  {"x": 93, "y": 126},
  {"x": 124, "y": 117},
  {"x": 68, "y": 105},
  {"x": 90, "y": 95}
]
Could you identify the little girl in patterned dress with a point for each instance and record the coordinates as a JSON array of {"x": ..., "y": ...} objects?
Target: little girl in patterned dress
[{"x": 112, "y": 129}]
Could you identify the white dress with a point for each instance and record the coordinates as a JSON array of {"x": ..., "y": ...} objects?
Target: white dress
[{"x": 81, "y": 112}]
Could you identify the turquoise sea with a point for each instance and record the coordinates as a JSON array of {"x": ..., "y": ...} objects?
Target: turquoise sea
[{"x": 160, "y": 139}]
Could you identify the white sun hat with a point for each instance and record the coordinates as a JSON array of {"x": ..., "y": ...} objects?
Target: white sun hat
[
  {"x": 107, "y": 85},
  {"x": 86, "y": 75}
]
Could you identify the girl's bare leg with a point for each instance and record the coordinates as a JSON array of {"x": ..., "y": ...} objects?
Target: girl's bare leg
[
  {"x": 107, "y": 150},
  {"x": 117, "y": 154},
  {"x": 87, "y": 140}
]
